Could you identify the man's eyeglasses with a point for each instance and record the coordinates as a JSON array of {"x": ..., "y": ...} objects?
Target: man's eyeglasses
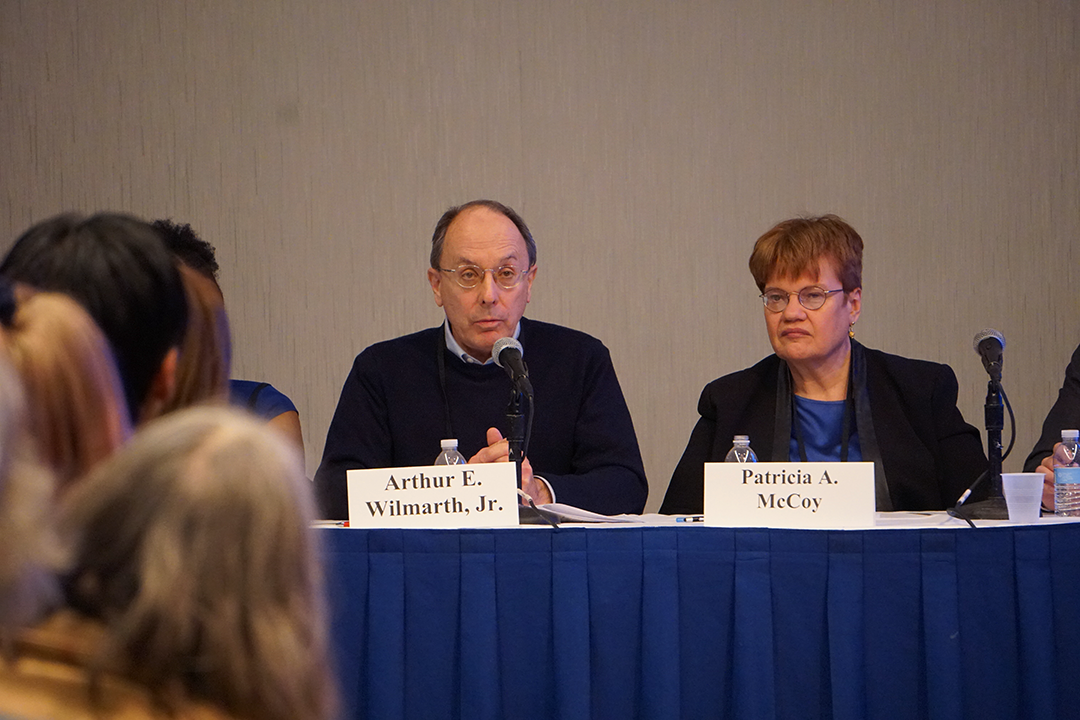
[
  {"x": 469, "y": 276},
  {"x": 811, "y": 298}
]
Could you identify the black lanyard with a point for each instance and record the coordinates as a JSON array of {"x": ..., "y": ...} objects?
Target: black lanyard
[
  {"x": 440, "y": 358},
  {"x": 845, "y": 425}
]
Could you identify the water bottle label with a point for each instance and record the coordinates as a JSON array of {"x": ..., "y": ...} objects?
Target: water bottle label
[{"x": 1067, "y": 475}]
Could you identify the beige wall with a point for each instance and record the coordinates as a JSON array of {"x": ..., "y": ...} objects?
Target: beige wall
[{"x": 647, "y": 144}]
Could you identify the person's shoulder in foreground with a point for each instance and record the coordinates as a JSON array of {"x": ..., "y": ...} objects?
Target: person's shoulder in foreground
[
  {"x": 47, "y": 676},
  {"x": 402, "y": 395}
]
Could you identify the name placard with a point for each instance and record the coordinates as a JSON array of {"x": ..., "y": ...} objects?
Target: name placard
[
  {"x": 436, "y": 496},
  {"x": 817, "y": 495}
]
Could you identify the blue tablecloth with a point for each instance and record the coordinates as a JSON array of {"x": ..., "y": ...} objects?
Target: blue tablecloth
[{"x": 696, "y": 622}]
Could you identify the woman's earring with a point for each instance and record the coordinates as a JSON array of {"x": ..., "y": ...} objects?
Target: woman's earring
[{"x": 851, "y": 331}]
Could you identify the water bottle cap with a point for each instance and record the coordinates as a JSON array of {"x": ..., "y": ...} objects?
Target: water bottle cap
[
  {"x": 1070, "y": 434},
  {"x": 450, "y": 444},
  {"x": 742, "y": 439}
]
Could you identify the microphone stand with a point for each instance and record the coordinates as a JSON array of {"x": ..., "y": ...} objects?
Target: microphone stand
[
  {"x": 517, "y": 438},
  {"x": 515, "y": 434},
  {"x": 993, "y": 508}
]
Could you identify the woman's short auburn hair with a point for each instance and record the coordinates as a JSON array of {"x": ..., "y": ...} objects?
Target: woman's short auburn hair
[{"x": 797, "y": 246}]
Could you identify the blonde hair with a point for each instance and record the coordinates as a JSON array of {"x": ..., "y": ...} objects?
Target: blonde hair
[
  {"x": 77, "y": 412},
  {"x": 194, "y": 548},
  {"x": 29, "y": 552},
  {"x": 202, "y": 371}
]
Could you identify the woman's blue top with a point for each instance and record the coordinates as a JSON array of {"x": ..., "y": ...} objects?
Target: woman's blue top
[{"x": 821, "y": 422}]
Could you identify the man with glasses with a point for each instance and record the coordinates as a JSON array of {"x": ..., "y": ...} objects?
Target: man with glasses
[{"x": 404, "y": 395}]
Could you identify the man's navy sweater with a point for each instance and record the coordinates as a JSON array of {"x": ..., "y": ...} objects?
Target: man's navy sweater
[{"x": 392, "y": 413}]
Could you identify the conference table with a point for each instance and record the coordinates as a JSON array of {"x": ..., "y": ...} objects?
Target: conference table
[{"x": 928, "y": 619}]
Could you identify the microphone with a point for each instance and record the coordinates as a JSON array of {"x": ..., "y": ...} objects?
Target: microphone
[
  {"x": 507, "y": 355},
  {"x": 989, "y": 344}
]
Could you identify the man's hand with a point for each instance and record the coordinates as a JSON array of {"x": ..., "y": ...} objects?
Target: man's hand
[
  {"x": 498, "y": 450},
  {"x": 1046, "y": 467}
]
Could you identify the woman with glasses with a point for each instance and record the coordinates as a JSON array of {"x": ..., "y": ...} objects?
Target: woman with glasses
[{"x": 822, "y": 396}]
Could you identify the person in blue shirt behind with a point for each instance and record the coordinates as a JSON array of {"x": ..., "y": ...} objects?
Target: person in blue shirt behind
[
  {"x": 822, "y": 396},
  {"x": 261, "y": 398}
]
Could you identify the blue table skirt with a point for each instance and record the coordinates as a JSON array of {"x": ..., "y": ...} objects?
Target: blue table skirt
[{"x": 707, "y": 623}]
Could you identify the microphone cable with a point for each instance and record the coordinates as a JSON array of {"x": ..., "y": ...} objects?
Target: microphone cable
[{"x": 955, "y": 510}]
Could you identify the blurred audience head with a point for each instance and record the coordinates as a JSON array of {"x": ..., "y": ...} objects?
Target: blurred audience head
[
  {"x": 77, "y": 413},
  {"x": 205, "y": 358},
  {"x": 117, "y": 267},
  {"x": 202, "y": 370},
  {"x": 194, "y": 549},
  {"x": 191, "y": 250},
  {"x": 29, "y": 552}
]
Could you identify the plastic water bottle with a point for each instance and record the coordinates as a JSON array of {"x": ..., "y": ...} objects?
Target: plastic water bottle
[
  {"x": 450, "y": 454},
  {"x": 1069, "y": 439},
  {"x": 741, "y": 452},
  {"x": 1067, "y": 478}
]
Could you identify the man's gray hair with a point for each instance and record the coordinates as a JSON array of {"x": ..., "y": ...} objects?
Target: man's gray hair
[{"x": 439, "y": 236}]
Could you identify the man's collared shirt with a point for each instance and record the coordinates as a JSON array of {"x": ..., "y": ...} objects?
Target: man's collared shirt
[{"x": 459, "y": 352}]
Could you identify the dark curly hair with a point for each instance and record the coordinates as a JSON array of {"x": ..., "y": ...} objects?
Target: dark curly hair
[{"x": 191, "y": 249}]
